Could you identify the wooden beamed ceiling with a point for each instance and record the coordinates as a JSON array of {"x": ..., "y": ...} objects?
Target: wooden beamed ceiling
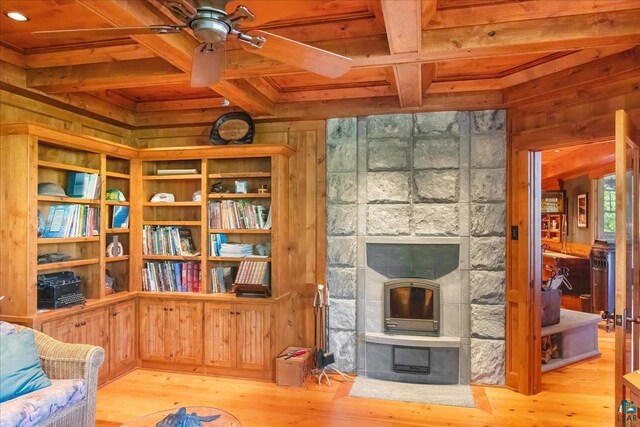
[{"x": 408, "y": 55}]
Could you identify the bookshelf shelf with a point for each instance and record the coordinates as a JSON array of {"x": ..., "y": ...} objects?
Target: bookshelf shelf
[
  {"x": 170, "y": 177},
  {"x": 116, "y": 258},
  {"x": 177, "y": 223},
  {"x": 172, "y": 257},
  {"x": 74, "y": 200},
  {"x": 240, "y": 196},
  {"x": 54, "y": 240},
  {"x": 238, "y": 259},
  {"x": 240, "y": 231},
  {"x": 231, "y": 175},
  {"x": 65, "y": 167},
  {"x": 117, "y": 231},
  {"x": 114, "y": 203},
  {"x": 67, "y": 264},
  {"x": 118, "y": 175},
  {"x": 171, "y": 204}
]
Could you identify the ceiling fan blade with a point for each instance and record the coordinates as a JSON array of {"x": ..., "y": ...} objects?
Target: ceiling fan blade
[
  {"x": 208, "y": 63},
  {"x": 272, "y": 10},
  {"x": 300, "y": 55},
  {"x": 110, "y": 32}
]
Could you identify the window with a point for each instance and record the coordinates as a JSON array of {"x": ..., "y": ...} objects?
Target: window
[{"x": 606, "y": 219}]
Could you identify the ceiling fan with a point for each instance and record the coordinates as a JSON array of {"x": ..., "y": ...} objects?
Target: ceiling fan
[{"x": 214, "y": 21}]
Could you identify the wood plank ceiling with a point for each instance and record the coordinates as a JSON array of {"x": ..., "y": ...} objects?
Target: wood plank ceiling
[{"x": 407, "y": 55}]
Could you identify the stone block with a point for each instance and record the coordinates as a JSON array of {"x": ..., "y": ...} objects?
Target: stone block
[
  {"x": 435, "y": 219},
  {"x": 443, "y": 123},
  {"x": 388, "y": 154},
  {"x": 488, "y": 150},
  {"x": 487, "y": 253},
  {"x": 487, "y": 361},
  {"x": 488, "y": 185},
  {"x": 487, "y": 287},
  {"x": 343, "y": 346},
  {"x": 342, "y": 187},
  {"x": 488, "y": 219},
  {"x": 488, "y": 120},
  {"x": 388, "y": 220},
  {"x": 342, "y": 314},
  {"x": 388, "y": 187},
  {"x": 436, "y": 153},
  {"x": 437, "y": 185},
  {"x": 342, "y": 220},
  {"x": 341, "y": 251},
  {"x": 389, "y": 126},
  {"x": 487, "y": 321},
  {"x": 342, "y": 146},
  {"x": 342, "y": 282}
]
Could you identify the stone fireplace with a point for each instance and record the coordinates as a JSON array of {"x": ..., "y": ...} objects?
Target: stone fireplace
[{"x": 419, "y": 198}]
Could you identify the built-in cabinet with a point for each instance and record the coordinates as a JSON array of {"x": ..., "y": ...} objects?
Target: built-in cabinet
[
  {"x": 200, "y": 330},
  {"x": 171, "y": 331},
  {"x": 237, "y": 335}
]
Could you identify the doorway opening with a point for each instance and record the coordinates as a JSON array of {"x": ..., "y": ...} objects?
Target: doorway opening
[{"x": 576, "y": 213}]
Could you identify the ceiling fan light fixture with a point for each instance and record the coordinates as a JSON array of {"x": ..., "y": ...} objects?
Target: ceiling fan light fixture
[
  {"x": 16, "y": 16},
  {"x": 209, "y": 26}
]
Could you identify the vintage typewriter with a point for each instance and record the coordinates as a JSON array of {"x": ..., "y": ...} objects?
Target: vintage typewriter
[{"x": 59, "y": 290}]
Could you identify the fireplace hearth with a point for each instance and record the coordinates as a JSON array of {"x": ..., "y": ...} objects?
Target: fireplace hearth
[{"x": 412, "y": 306}]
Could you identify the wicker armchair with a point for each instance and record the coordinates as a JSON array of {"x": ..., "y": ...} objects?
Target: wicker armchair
[{"x": 71, "y": 361}]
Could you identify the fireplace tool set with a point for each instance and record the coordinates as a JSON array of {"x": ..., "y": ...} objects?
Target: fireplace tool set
[{"x": 322, "y": 357}]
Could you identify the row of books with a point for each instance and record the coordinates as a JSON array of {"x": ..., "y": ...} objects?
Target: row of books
[
  {"x": 236, "y": 250},
  {"x": 253, "y": 273},
  {"x": 71, "y": 220},
  {"x": 159, "y": 240},
  {"x": 234, "y": 215},
  {"x": 215, "y": 243},
  {"x": 167, "y": 276},
  {"x": 222, "y": 279},
  {"x": 83, "y": 185}
]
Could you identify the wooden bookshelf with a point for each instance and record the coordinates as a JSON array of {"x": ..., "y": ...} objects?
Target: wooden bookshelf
[
  {"x": 116, "y": 203},
  {"x": 64, "y": 199},
  {"x": 67, "y": 264},
  {"x": 111, "y": 174},
  {"x": 172, "y": 257},
  {"x": 117, "y": 231},
  {"x": 175, "y": 223},
  {"x": 240, "y": 196},
  {"x": 116, "y": 258},
  {"x": 240, "y": 231},
  {"x": 170, "y": 177},
  {"x": 235, "y": 175},
  {"x": 52, "y": 240},
  {"x": 171, "y": 204},
  {"x": 238, "y": 259},
  {"x": 65, "y": 167}
]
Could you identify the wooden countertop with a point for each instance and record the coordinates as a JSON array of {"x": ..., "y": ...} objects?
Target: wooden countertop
[
  {"x": 632, "y": 380},
  {"x": 561, "y": 255}
]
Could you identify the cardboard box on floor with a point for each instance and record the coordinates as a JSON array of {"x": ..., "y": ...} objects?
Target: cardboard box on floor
[{"x": 292, "y": 372}]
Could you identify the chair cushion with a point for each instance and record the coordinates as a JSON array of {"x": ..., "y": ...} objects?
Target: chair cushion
[
  {"x": 36, "y": 406},
  {"x": 20, "y": 368},
  {"x": 7, "y": 328}
]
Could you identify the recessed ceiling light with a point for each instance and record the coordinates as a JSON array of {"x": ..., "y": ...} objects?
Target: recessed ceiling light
[
  {"x": 16, "y": 16},
  {"x": 556, "y": 151}
]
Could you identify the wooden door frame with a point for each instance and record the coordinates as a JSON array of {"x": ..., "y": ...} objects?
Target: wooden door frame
[{"x": 524, "y": 261}]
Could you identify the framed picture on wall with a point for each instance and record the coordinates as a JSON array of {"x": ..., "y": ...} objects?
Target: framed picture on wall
[{"x": 583, "y": 211}]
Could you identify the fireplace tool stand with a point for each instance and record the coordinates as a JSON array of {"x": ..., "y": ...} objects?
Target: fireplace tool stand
[{"x": 322, "y": 357}]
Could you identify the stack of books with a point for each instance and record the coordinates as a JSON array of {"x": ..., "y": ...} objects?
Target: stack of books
[
  {"x": 72, "y": 221},
  {"x": 253, "y": 273},
  {"x": 215, "y": 243},
  {"x": 171, "y": 277},
  {"x": 238, "y": 215},
  {"x": 83, "y": 185},
  {"x": 222, "y": 279},
  {"x": 236, "y": 250},
  {"x": 158, "y": 240}
]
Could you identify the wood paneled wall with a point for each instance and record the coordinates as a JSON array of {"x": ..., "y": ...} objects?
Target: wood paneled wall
[{"x": 307, "y": 194}]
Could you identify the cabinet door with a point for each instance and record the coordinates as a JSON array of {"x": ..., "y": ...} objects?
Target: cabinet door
[
  {"x": 254, "y": 336},
  {"x": 123, "y": 339},
  {"x": 94, "y": 330},
  {"x": 185, "y": 328},
  {"x": 220, "y": 334},
  {"x": 64, "y": 329},
  {"x": 153, "y": 343}
]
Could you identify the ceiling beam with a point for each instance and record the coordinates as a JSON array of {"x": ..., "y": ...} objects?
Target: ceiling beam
[
  {"x": 588, "y": 73},
  {"x": 177, "y": 49},
  {"x": 91, "y": 77},
  {"x": 525, "y": 10},
  {"x": 86, "y": 55},
  {"x": 183, "y": 104},
  {"x": 403, "y": 21},
  {"x": 338, "y": 93},
  {"x": 580, "y": 161}
]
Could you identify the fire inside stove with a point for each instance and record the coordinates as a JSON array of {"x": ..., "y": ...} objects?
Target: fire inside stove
[{"x": 412, "y": 306}]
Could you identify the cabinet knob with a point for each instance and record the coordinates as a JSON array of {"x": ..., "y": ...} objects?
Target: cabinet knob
[
  {"x": 165, "y": 309},
  {"x": 115, "y": 313},
  {"x": 237, "y": 312},
  {"x": 171, "y": 309},
  {"x": 77, "y": 325},
  {"x": 232, "y": 312},
  {"x": 83, "y": 323}
]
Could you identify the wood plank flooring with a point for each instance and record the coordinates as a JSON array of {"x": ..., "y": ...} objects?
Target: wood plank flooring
[{"x": 579, "y": 395}]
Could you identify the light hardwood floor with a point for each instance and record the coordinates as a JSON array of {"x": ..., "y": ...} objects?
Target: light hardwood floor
[{"x": 579, "y": 395}]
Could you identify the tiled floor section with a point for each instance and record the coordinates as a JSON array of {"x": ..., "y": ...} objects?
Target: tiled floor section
[{"x": 450, "y": 395}]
